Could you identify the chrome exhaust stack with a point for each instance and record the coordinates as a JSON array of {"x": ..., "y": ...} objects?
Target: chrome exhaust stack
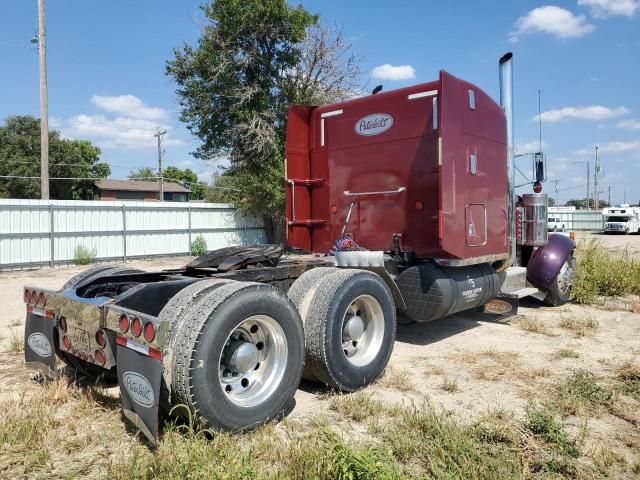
[{"x": 506, "y": 102}]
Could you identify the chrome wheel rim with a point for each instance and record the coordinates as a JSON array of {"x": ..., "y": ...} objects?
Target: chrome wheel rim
[
  {"x": 362, "y": 330},
  {"x": 253, "y": 361},
  {"x": 565, "y": 278}
]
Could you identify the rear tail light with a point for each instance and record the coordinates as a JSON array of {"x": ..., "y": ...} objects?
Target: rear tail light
[
  {"x": 572, "y": 235},
  {"x": 149, "y": 332},
  {"x": 66, "y": 343},
  {"x": 136, "y": 327},
  {"x": 27, "y": 295},
  {"x": 100, "y": 357},
  {"x": 42, "y": 299},
  {"x": 124, "y": 323},
  {"x": 62, "y": 324},
  {"x": 101, "y": 339}
]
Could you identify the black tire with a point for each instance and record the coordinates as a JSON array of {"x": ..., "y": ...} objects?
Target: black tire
[
  {"x": 326, "y": 357},
  {"x": 93, "y": 271},
  {"x": 558, "y": 295},
  {"x": 200, "y": 343},
  {"x": 301, "y": 294},
  {"x": 176, "y": 311},
  {"x": 402, "y": 319},
  {"x": 81, "y": 369}
]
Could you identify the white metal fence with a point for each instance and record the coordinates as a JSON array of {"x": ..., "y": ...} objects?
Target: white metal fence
[
  {"x": 580, "y": 219},
  {"x": 40, "y": 232}
]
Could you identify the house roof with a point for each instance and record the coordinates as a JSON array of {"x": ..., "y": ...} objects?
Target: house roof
[{"x": 139, "y": 186}]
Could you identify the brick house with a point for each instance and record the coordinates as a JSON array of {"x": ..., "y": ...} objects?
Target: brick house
[{"x": 108, "y": 189}]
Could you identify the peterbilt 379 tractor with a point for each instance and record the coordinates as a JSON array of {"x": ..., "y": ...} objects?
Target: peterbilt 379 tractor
[{"x": 400, "y": 208}]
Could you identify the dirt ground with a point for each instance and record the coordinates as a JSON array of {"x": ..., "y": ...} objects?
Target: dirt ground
[{"x": 468, "y": 364}]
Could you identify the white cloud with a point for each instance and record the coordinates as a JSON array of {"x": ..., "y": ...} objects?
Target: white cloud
[
  {"x": 629, "y": 123},
  {"x": 611, "y": 147},
  {"x": 132, "y": 128},
  {"x": 129, "y": 106},
  {"x": 393, "y": 72},
  {"x": 608, "y": 8},
  {"x": 591, "y": 112},
  {"x": 553, "y": 20},
  {"x": 120, "y": 132},
  {"x": 530, "y": 147}
]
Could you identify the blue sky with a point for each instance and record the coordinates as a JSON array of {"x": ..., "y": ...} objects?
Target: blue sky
[{"x": 106, "y": 72}]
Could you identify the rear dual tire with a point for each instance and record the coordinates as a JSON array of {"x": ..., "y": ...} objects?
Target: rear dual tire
[
  {"x": 349, "y": 325},
  {"x": 238, "y": 356}
]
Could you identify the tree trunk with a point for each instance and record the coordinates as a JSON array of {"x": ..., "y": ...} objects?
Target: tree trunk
[{"x": 274, "y": 229}]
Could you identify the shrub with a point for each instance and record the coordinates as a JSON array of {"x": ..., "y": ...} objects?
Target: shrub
[
  {"x": 599, "y": 273},
  {"x": 83, "y": 255},
  {"x": 581, "y": 394},
  {"x": 198, "y": 246}
]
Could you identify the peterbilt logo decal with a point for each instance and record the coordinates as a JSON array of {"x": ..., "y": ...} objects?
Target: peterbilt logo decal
[
  {"x": 39, "y": 344},
  {"x": 373, "y": 124},
  {"x": 139, "y": 388}
]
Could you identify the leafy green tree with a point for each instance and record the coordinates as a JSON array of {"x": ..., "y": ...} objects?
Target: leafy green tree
[
  {"x": 75, "y": 161},
  {"x": 253, "y": 60},
  {"x": 186, "y": 177},
  {"x": 144, "y": 173}
]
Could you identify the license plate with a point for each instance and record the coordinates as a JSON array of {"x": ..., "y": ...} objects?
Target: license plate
[{"x": 79, "y": 339}]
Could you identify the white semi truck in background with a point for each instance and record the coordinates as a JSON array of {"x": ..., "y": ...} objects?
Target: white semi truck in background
[{"x": 622, "y": 219}]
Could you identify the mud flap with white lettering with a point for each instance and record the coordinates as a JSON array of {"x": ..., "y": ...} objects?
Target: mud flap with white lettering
[
  {"x": 139, "y": 379},
  {"x": 39, "y": 351}
]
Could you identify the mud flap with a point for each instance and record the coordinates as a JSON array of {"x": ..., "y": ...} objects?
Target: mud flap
[
  {"x": 502, "y": 307},
  {"x": 39, "y": 346},
  {"x": 139, "y": 380}
]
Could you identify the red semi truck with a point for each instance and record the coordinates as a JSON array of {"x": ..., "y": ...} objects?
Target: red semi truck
[{"x": 408, "y": 198}]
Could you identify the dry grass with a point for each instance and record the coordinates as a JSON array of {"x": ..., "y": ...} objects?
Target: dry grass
[
  {"x": 493, "y": 365},
  {"x": 15, "y": 322},
  {"x": 579, "y": 326},
  {"x": 397, "y": 379},
  {"x": 45, "y": 433},
  {"x": 628, "y": 376},
  {"x": 358, "y": 406},
  {"x": 449, "y": 385},
  {"x": 434, "y": 370},
  {"x": 535, "y": 325},
  {"x": 566, "y": 353},
  {"x": 16, "y": 343}
]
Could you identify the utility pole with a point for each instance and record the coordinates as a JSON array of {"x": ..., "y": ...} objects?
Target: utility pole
[
  {"x": 596, "y": 193},
  {"x": 625, "y": 194},
  {"x": 588, "y": 180},
  {"x": 609, "y": 199},
  {"x": 556, "y": 182},
  {"x": 159, "y": 133},
  {"x": 44, "y": 114}
]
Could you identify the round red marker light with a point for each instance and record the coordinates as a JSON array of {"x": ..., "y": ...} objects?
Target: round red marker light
[
  {"x": 418, "y": 205},
  {"x": 149, "y": 332},
  {"x": 100, "y": 357},
  {"x": 101, "y": 339},
  {"x": 136, "y": 327},
  {"x": 62, "y": 324},
  {"x": 66, "y": 343},
  {"x": 537, "y": 187},
  {"x": 334, "y": 209},
  {"x": 124, "y": 323}
]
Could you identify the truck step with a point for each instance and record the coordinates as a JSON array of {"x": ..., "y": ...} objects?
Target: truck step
[
  {"x": 513, "y": 279},
  {"x": 524, "y": 292}
]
